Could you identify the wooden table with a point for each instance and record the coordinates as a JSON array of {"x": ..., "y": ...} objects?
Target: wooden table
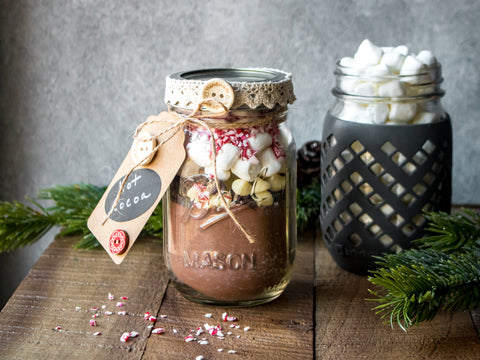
[{"x": 323, "y": 314}]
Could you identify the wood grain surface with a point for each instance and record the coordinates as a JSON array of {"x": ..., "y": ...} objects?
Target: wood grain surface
[{"x": 322, "y": 314}]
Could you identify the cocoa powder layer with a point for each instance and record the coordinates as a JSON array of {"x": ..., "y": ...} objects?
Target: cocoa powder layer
[{"x": 219, "y": 262}]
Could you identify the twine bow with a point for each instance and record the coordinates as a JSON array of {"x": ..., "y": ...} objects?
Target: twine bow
[{"x": 177, "y": 124}]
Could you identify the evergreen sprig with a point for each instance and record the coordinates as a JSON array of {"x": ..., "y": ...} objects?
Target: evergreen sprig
[
  {"x": 443, "y": 274},
  {"x": 22, "y": 225},
  {"x": 308, "y": 205}
]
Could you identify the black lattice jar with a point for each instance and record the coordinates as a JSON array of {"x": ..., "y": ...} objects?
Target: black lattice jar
[{"x": 386, "y": 160}]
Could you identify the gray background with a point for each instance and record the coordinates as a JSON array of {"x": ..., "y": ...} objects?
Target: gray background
[{"x": 78, "y": 76}]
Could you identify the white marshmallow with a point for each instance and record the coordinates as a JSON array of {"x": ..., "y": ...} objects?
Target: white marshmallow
[
  {"x": 368, "y": 54},
  {"x": 270, "y": 165},
  {"x": 391, "y": 89},
  {"x": 222, "y": 175},
  {"x": 425, "y": 118},
  {"x": 227, "y": 156},
  {"x": 246, "y": 169},
  {"x": 402, "y": 49},
  {"x": 365, "y": 89},
  {"x": 260, "y": 141},
  {"x": 393, "y": 60},
  {"x": 426, "y": 57},
  {"x": 352, "y": 111},
  {"x": 348, "y": 84},
  {"x": 402, "y": 113},
  {"x": 412, "y": 66},
  {"x": 387, "y": 48},
  {"x": 351, "y": 67},
  {"x": 378, "y": 113},
  {"x": 199, "y": 152},
  {"x": 378, "y": 70}
]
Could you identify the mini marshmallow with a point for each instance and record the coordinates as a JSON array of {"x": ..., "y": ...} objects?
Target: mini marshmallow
[
  {"x": 391, "y": 89},
  {"x": 426, "y": 57},
  {"x": 365, "y": 89},
  {"x": 378, "y": 113},
  {"x": 402, "y": 113},
  {"x": 368, "y": 54},
  {"x": 425, "y": 118},
  {"x": 412, "y": 66},
  {"x": 260, "y": 141},
  {"x": 227, "y": 156},
  {"x": 402, "y": 49},
  {"x": 386, "y": 49},
  {"x": 351, "y": 111},
  {"x": 222, "y": 175},
  {"x": 269, "y": 162},
  {"x": 351, "y": 67},
  {"x": 199, "y": 152},
  {"x": 393, "y": 60},
  {"x": 378, "y": 70},
  {"x": 246, "y": 169}
]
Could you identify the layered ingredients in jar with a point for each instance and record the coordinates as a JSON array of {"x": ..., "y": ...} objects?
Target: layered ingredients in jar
[{"x": 207, "y": 252}]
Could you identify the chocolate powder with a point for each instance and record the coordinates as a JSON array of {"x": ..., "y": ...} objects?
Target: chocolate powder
[{"x": 220, "y": 263}]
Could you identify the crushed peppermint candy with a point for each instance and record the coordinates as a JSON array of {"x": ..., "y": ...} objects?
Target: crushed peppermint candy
[
  {"x": 175, "y": 331},
  {"x": 203, "y": 342},
  {"x": 134, "y": 334},
  {"x": 121, "y": 313},
  {"x": 146, "y": 315},
  {"x": 163, "y": 316},
  {"x": 226, "y": 317},
  {"x": 124, "y": 297},
  {"x": 119, "y": 304},
  {"x": 200, "y": 357},
  {"x": 94, "y": 309},
  {"x": 199, "y": 331},
  {"x": 78, "y": 308},
  {"x": 108, "y": 313},
  {"x": 208, "y": 315},
  {"x": 159, "y": 330},
  {"x": 220, "y": 350},
  {"x": 94, "y": 316},
  {"x": 110, "y": 296},
  {"x": 152, "y": 318},
  {"x": 189, "y": 338},
  {"x": 57, "y": 328},
  {"x": 246, "y": 328},
  {"x": 104, "y": 306},
  {"x": 98, "y": 333},
  {"x": 125, "y": 336},
  {"x": 93, "y": 322},
  {"x": 232, "y": 352}
]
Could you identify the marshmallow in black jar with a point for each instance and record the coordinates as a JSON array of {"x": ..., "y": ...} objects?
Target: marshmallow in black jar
[{"x": 387, "y": 154}]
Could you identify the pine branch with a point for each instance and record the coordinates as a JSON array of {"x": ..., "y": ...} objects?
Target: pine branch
[
  {"x": 308, "y": 205},
  {"x": 444, "y": 274},
  {"x": 21, "y": 225}
]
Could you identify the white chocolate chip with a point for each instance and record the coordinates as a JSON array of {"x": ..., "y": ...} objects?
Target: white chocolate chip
[
  {"x": 241, "y": 187},
  {"x": 264, "y": 198},
  {"x": 260, "y": 185},
  {"x": 277, "y": 182}
]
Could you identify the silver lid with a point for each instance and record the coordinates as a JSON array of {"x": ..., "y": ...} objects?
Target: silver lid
[{"x": 251, "y": 87}]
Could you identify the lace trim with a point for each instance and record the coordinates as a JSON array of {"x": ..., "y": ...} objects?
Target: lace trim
[{"x": 185, "y": 93}]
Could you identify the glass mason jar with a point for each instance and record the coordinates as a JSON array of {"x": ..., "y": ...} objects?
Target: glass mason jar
[
  {"x": 209, "y": 258},
  {"x": 386, "y": 160}
]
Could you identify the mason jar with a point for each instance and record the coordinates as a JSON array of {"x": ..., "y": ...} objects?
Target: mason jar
[
  {"x": 229, "y": 214},
  {"x": 386, "y": 160}
]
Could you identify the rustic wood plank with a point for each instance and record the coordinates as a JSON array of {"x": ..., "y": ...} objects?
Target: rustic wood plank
[
  {"x": 65, "y": 278},
  {"x": 282, "y": 329},
  {"x": 347, "y": 328}
]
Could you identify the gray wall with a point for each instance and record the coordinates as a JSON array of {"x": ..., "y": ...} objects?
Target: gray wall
[{"x": 77, "y": 76}]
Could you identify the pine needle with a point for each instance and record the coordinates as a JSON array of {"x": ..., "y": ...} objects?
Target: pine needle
[{"x": 443, "y": 274}]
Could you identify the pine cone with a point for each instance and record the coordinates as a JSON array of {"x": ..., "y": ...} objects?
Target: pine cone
[{"x": 308, "y": 163}]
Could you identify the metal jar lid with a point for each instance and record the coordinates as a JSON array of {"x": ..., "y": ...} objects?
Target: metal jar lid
[{"x": 251, "y": 87}]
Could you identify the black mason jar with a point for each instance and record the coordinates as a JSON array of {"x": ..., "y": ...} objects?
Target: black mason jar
[{"x": 386, "y": 160}]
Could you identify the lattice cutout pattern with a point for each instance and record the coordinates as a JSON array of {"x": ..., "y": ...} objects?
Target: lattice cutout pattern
[{"x": 374, "y": 195}]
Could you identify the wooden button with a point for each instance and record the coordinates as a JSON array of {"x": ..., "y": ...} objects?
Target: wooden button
[
  {"x": 118, "y": 242},
  {"x": 142, "y": 148},
  {"x": 217, "y": 90}
]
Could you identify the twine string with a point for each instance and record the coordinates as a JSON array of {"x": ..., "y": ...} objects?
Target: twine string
[{"x": 176, "y": 125}]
